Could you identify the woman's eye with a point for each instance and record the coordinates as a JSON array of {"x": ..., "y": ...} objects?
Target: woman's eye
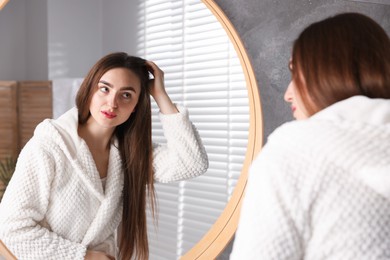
[
  {"x": 126, "y": 95},
  {"x": 103, "y": 89}
]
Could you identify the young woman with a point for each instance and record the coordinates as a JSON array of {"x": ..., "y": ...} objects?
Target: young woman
[
  {"x": 320, "y": 188},
  {"x": 92, "y": 170}
]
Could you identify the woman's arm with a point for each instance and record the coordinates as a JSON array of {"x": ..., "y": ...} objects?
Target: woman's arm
[
  {"x": 23, "y": 208},
  {"x": 157, "y": 90},
  {"x": 270, "y": 225},
  {"x": 184, "y": 155}
]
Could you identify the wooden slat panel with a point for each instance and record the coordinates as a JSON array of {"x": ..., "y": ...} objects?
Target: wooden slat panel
[
  {"x": 35, "y": 104},
  {"x": 8, "y": 120}
]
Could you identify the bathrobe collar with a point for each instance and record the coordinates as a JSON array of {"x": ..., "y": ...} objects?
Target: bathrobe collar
[
  {"x": 63, "y": 131},
  {"x": 363, "y": 111}
]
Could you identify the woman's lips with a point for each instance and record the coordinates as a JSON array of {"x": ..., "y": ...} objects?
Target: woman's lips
[
  {"x": 293, "y": 108},
  {"x": 108, "y": 114}
]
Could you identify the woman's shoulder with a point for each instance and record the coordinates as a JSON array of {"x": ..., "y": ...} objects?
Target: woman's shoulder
[
  {"x": 314, "y": 130},
  {"x": 304, "y": 142},
  {"x": 56, "y": 134},
  {"x": 43, "y": 140},
  {"x": 298, "y": 132}
]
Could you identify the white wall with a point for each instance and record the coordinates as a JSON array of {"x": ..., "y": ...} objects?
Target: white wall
[{"x": 53, "y": 39}]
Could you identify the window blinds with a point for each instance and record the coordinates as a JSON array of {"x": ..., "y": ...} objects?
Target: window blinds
[{"x": 202, "y": 72}]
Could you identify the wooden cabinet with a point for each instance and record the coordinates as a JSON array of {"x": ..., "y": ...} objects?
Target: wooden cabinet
[
  {"x": 23, "y": 105},
  {"x": 8, "y": 119}
]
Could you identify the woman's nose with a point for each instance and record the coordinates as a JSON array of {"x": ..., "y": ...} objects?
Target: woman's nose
[
  {"x": 288, "y": 96},
  {"x": 112, "y": 102}
]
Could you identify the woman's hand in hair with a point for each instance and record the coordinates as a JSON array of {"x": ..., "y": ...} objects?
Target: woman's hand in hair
[
  {"x": 96, "y": 255},
  {"x": 157, "y": 90}
]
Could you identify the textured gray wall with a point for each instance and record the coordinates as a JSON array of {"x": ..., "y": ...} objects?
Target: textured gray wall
[{"x": 268, "y": 28}]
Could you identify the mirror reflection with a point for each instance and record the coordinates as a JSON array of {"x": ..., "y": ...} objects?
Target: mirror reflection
[{"x": 203, "y": 72}]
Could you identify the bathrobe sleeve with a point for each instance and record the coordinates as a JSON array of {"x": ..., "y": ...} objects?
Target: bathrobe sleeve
[
  {"x": 268, "y": 226},
  {"x": 183, "y": 156},
  {"x": 24, "y": 205}
]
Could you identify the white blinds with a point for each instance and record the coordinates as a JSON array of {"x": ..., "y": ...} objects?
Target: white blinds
[{"x": 203, "y": 73}]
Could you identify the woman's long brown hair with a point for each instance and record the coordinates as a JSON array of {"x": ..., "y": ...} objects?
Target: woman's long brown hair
[
  {"x": 135, "y": 146},
  {"x": 340, "y": 57}
]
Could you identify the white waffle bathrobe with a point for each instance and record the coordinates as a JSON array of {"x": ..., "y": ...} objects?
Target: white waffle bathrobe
[
  {"x": 320, "y": 188},
  {"x": 55, "y": 206}
]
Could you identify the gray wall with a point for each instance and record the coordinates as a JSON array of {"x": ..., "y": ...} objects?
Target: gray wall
[
  {"x": 75, "y": 36},
  {"x": 268, "y": 28},
  {"x": 53, "y": 39},
  {"x": 80, "y": 32},
  {"x": 23, "y": 52},
  {"x": 120, "y": 26},
  {"x": 36, "y": 45}
]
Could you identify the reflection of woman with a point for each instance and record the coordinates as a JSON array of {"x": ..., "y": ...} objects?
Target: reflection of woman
[
  {"x": 65, "y": 198},
  {"x": 320, "y": 188}
]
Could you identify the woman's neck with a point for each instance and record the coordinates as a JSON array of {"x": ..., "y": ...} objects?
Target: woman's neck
[{"x": 97, "y": 138}]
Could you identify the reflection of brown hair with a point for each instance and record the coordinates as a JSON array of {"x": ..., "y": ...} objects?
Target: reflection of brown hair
[
  {"x": 135, "y": 146},
  {"x": 340, "y": 57}
]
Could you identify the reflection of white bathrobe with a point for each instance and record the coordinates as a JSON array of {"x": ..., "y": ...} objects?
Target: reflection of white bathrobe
[
  {"x": 320, "y": 188},
  {"x": 55, "y": 206}
]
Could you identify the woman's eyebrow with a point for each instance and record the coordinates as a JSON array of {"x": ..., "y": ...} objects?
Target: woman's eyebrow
[
  {"x": 122, "y": 88},
  {"x": 128, "y": 88}
]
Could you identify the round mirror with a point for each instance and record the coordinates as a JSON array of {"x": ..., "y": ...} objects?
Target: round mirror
[
  {"x": 199, "y": 216},
  {"x": 222, "y": 231},
  {"x": 207, "y": 70}
]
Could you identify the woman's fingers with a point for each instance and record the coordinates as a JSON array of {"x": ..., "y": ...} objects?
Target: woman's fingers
[
  {"x": 156, "y": 84},
  {"x": 154, "y": 69}
]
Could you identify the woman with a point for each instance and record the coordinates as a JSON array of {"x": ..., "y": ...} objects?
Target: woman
[
  {"x": 83, "y": 174},
  {"x": 320, "y": 188}
]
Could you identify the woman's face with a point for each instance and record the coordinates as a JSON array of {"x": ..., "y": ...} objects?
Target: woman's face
[
  {"x": 292, "y": 96},
  {"x": 115, "y": 97}
]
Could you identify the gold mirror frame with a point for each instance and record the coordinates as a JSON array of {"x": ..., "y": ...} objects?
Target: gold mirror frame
[{"x": 221, "y": 233}]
